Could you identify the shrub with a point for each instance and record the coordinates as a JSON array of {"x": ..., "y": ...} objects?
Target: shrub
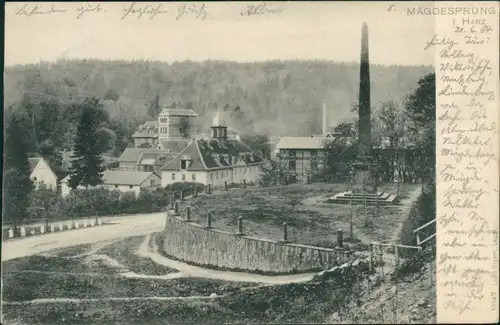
[
  {"x": 99, "y": 201},
  {"x": 423, "y": 211},
  {"x": 186, "y": 187}
]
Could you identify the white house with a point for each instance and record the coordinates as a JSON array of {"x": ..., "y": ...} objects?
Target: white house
[
  {"x": 214, "y": 160},
  {"x": 122, "y": 180},
  {"x": 41, "y": 173}
]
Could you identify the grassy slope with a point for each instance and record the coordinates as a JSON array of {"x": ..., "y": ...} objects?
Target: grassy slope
[
  {"x": 124, "y": 252},
  {"x": 36, "y": 276},
  {"x": 309, "y": 222}
]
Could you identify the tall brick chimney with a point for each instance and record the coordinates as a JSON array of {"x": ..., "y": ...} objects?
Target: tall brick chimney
[{"x": 325, "y": 118}]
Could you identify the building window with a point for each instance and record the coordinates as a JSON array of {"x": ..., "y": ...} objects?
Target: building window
[
  {"x": 164, "y": 120},
  {"x": 314, "y": 165},
  {"x": 291, "y": 165},
  {"x": 183, "y": 177},
  {"x": 173, "y": 176},
  {"x": 34, "y": 179},
  {"x": 183, "y": 164},
  {"x": 193, "y": 176},
  {"x": 152, "y": 182}
]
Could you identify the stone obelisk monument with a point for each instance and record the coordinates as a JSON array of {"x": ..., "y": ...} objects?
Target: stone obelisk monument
[
  {"x": 363, "y": 182},
  {"x": 363, "y": 186}
]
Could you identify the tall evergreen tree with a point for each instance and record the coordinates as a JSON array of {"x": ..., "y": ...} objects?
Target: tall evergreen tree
[
  {"x": 17, "y": 183},
  {"x": 154, "y": 106},
  {"x": 86, "y": 161}
]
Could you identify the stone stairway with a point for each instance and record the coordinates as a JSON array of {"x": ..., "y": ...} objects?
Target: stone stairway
[{"x": 360, "y": 198}]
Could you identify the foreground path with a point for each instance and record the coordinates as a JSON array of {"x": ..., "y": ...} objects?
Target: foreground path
[
  {"x": 119, "y": 227},
  {"x": 145, "y": 250},
  {"x": 122, "y": 227}
]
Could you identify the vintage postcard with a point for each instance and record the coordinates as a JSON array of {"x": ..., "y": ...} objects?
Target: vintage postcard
[{"x": 250, "y": 163}]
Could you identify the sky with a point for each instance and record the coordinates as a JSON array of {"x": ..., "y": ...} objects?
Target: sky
[{"x": 299, "y": 30}]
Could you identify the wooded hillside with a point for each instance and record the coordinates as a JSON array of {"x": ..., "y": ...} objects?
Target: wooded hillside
[{"x": 275, "y": 98}]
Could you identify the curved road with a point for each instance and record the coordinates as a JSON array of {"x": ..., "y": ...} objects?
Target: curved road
[
  {"x": 117, "y": 228},
  {"x": 128, "y": 226}
]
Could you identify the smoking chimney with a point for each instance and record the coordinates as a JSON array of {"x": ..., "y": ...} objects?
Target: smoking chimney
[{"x": 325, "y": 119}]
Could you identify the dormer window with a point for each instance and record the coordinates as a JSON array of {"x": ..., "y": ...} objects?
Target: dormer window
[{"x": 185, "y": 162}]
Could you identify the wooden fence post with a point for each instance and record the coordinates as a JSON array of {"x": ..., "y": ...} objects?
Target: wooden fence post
[
  {"x": 209, "y": 219},
  {"x": 396, "y": 252},
  {"x": 371, "y": 256},
  {"x": 339, "y": 238},
  {"x": 285, "y": 232},
  {"x": 240, "y": 225}
]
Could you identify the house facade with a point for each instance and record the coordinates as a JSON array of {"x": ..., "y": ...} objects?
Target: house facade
[
  {"x": 41, "y": 173},
  {"x": 214, "y": 160},
  {"x": 122, "y": 181},
  {"x": 300, "y": 159},
  {"x": 176, "y": 124},
  {"x": 146, "y": 135}
]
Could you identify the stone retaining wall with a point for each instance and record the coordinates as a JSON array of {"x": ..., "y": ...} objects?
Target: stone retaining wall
[{"x": 193, "y": 243}]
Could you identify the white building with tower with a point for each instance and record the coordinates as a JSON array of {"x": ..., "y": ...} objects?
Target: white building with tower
[{"x": 214, "y": 160}]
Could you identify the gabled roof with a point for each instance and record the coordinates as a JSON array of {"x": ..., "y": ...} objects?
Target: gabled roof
[
  {"x": 192, "y": 150},
  {"x": 133, "y": 155},
  {"x": 151, "y": 123},
  {"x": 178, "y": 112},
  {"x": 33, "y": 163},
  {"x": 147, "y": 130},
  {"x": 301, "y": 143},
  {"x": 174, "y": 146},
  {"x": 213, "y": 154},
  {"x": 152, "y": 134}
]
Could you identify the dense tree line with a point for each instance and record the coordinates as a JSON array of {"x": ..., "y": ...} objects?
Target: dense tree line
[
  {"x": 17, "y": 185},
  {"x": 276, "y": 97},
  {"x": 410, "y": 126}
]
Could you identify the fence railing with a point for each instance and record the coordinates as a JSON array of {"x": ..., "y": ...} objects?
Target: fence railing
[
  {"x": 424, "y": 228},
  {"x": 388, "y": 255}
]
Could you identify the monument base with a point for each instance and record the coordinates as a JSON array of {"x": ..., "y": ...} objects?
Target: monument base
[
  {"x": 381, "y": 198},
  {"x": 364, "y": 188}
]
